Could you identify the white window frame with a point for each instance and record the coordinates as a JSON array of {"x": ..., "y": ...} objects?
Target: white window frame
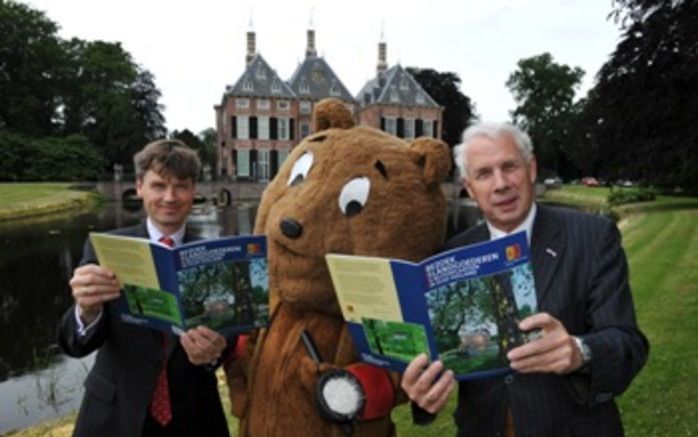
[
  {"x": 275, "y": 86},
  {"x": 428, "y": 128},
  {"x": 263, "y": 168},
  {"x": 304, "y": 88},
  {"x": 420, "y": 98},
  {"x": 242, "y": 127},
  {"x": 408, "y": 129},
  {"x": 262, "y": 127},
  {"x": 391, "y": 125},
  {"x": 281, "y": 157},
  {"x": 263, "y": 104},
  {"x": 242, "y": 166},
  {"x": 305, "y": 107},
  {"x": 304, "y": 129},
  {"x": 283, "y": 105},
  {"x": 248, "y": 85},
  {"x": 283, "y": 128},
  {"x": 242, "y": 103}
]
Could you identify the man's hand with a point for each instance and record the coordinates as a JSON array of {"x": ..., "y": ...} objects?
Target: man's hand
[
  {"x": 202, "y": 345},
  {"x": 91, "y": 287},
  {"x": 554, "y": 352},
  {"x": 426, "y": 386}
]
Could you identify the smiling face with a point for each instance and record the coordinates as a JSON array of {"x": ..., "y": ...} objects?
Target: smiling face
[
  {"x": 167, "y": 199},
  {"x": 500, "y": 180}
]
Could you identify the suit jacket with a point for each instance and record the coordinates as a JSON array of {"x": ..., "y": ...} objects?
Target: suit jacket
[
  {"x": 119, "y": 387},
  {"x": 581, "y": 278}
]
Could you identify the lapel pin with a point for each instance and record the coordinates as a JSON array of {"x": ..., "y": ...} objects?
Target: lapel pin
[{"x": 551, "y": 252}]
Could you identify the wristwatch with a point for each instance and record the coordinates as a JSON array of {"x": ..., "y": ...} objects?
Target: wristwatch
[{"x": 584, "y": 349}]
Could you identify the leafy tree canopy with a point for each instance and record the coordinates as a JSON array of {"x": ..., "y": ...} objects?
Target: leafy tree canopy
[
  {"x": 544, "y": 91},
  {"x": 444, "y": 88},
  {"x": 56, "y": 87},
  {"x": 642, "y": 113}
]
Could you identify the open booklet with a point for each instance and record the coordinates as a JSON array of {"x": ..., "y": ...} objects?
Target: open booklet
[
  {"x": 461, "y": 306},
  {"x": 220, "y": 283}
]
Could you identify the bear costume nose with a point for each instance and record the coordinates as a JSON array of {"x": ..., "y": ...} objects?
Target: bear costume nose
[{"x": 291, "y": 228}]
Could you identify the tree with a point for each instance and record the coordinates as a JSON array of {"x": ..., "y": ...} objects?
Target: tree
[
  {"x": 459, "y": 111},
  {"x": 642, "y": 109},
  {"x": 544, "y": 91},
  {"x": 55, "y": 87},
  {"x": 206, "y": 154},
  {"x": 31, "y": 58},
  {"x": 208, "y": 138}
]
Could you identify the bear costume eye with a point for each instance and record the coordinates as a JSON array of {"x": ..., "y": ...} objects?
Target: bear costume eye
[
  {"x": 354, "y": 196},
  {"x": 300, "y": 169}
]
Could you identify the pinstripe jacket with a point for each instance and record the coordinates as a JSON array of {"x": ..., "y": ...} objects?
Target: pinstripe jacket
[{"x": 581, "y": 277}]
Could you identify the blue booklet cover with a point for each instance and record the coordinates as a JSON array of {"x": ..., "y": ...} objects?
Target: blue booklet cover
[
  {"x": 461, "y": 306},
  {"x": 221, "y": 283}
]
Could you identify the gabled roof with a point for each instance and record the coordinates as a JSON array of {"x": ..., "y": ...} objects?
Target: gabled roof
[
  {"x": 259, "y": 80},
  {"x": 315, "y": 79},
  {"x": 395, "y": 87}
]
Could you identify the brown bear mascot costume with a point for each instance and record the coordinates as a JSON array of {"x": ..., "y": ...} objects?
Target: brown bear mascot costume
[{"x": 344, "y": 189}]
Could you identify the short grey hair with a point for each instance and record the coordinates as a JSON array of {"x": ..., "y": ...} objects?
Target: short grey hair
[{"x": 493, "y": 131}]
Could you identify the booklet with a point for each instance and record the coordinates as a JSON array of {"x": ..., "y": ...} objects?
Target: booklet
[
  {"x": 461, "y": 306},
  {"x": 220, "y": 283}
]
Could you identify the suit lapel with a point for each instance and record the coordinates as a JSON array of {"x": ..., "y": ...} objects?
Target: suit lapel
[{"x": 547, "y": 251}]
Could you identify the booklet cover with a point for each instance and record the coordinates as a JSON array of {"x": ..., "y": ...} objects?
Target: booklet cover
[
  {"x": 220, "y": 283},
  {"x": 462, "y": 306}
]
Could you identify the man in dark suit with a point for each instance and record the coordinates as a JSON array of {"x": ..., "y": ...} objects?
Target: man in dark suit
[
  {"x": 145, "y": 382},
  {"x": 563, "y": 383}
]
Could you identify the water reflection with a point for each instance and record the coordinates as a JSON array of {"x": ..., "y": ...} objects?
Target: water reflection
[{"x": 36, "y": 262}]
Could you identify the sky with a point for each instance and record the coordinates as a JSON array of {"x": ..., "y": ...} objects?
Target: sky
[{"x": 196, "y": 48}]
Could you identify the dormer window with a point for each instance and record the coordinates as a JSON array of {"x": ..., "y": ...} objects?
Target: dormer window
[
  {"x": 248, "y": 85},
  {"x": 303, "y": 88},
  {"x": 261, "y": 73},
  {"x": 334, "y": 89},
  {"x": 420, "y": 98},
  {"x": 276, "y": 86},
  {"x": 404, "y": 84},
  {"x": 394, "y": 96}
]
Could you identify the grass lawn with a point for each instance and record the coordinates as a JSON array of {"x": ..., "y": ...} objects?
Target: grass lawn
[
  {"x": 661, "y": 241},
  {"x": 32, "y": 199}
]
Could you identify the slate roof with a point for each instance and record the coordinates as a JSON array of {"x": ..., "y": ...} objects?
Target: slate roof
[
  {"x": 260, "y": 80},
  {"x": 314, "y": 79},
  {"x": 396, "y": 87}
]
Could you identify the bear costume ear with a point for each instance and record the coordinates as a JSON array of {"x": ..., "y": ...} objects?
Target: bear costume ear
[
  {"x": 331, "y": 113},
  {"x": 434, "y": 158}
]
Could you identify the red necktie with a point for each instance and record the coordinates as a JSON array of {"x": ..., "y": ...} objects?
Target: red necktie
[{"x": 160, "y": 407}]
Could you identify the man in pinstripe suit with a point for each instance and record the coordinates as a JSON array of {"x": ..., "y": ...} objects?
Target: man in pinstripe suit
[{"x": 564, "y": 383}]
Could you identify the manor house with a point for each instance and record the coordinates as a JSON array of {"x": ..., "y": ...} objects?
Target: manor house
[{"x": 261, "y": 117}]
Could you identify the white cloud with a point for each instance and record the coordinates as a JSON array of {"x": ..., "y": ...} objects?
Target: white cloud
[{"x": 194, "y": 49}]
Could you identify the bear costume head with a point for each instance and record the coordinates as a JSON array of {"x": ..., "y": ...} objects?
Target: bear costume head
[{"x": 353, "y": 190}]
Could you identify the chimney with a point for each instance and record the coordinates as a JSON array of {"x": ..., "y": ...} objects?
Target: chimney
[
  {"x": 310, "y": 48},
  {"x": 382, "y": 66},
  {"x": 251, "y": 43}
]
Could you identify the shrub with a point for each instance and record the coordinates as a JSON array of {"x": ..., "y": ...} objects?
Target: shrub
[
  {"x": 25, "y": 159},
  {"x": 631, "y": 195}
]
